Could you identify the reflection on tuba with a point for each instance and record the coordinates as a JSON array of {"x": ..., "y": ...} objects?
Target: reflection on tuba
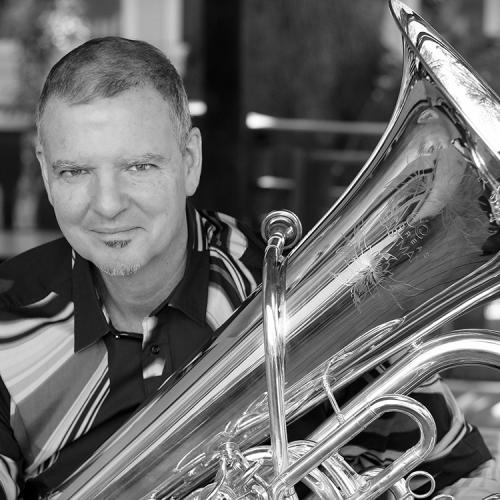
[{"x": 405, "y": 250}]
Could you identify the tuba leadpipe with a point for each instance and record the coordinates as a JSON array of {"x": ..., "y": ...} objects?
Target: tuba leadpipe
[
  {"x": 282, "y": 229},
  {"x": 405, "y": 249}
]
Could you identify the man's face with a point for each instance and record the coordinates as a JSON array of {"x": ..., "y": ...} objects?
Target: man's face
[{"x": 117, "y": 179}]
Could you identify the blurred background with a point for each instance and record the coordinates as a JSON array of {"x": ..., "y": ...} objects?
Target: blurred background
[{"x": 291, "y": 97}]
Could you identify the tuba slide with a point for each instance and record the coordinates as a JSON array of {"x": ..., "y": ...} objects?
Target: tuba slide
[{"x": 409, "y": 246}]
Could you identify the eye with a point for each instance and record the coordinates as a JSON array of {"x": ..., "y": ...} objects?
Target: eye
[
  {"x": 70, "y": 173},
  {"x": 141, "y": 167}
]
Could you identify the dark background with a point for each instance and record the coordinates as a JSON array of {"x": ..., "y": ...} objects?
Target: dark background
[{"x": 320, "y": 60}]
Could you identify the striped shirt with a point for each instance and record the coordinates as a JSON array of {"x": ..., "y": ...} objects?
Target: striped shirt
[{"x": 65, "y": 388}]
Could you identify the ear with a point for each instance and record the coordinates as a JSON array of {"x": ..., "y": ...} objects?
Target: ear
[
  {"x": 40, "y": 155},
  {"x": 192, "y": 158}
]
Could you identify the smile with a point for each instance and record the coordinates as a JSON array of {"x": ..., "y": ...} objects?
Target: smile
[
  {"x": 113, "y": 230},
  {"x": 118, "y": 237}
]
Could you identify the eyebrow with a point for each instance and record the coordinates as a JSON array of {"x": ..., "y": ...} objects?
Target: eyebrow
[
  {"x": 62, "y": 164},
  {"x": 145, "y": 158}
]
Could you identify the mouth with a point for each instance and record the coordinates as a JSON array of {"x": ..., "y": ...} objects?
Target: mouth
[
  {"x": 115, "y": 237},
  {"x": 114, "y": 231}
]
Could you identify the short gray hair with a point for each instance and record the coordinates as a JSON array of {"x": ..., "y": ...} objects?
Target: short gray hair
[{"x": 105, "y": 67}]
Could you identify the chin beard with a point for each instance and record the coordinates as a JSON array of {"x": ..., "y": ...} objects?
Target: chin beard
[{"x": 120, "y": 269}]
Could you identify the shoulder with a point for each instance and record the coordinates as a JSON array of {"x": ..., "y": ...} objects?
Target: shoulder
[
  {"x": 235, "y": 254},
  {"x": 28, "y": 277},
  {"x": 232, "y": 236}
]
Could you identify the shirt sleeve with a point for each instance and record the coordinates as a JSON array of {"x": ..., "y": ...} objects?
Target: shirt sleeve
[
  {"x": 10, "y": 454},
  {"x": 482, "y": 482},
  {"x": 8, "y": 471}
]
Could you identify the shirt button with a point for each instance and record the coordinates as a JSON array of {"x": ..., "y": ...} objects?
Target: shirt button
[{"x": 155, "y": 348}]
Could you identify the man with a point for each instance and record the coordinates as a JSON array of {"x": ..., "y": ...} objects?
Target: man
[
  {"x": 91, "y": 324},
  {"x": 93, "y": 317}
]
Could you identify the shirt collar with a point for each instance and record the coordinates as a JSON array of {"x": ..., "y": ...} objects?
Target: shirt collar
[
  {"x": 190, "y": 295},
  {"x": 90, "y": 322}
]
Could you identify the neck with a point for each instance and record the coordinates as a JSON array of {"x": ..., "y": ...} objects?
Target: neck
[{"x": 129, "y": 299}]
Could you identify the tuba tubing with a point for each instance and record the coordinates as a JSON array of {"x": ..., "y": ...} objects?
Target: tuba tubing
[{"x": 352, "y": 425}]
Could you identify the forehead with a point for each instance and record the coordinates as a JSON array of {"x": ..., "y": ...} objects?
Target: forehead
[{"x": 135, "y": 112}]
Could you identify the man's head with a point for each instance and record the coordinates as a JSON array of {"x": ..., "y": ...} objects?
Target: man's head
[
  {"x": 118, "y": 154},
  {"x": 106, "y": 67}
]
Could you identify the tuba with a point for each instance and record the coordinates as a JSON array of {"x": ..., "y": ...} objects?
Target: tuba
[{"x": 408, "y": 247}]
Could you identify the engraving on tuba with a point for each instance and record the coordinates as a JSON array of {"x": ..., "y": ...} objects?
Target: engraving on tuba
[{"x": 406, "y": 249}]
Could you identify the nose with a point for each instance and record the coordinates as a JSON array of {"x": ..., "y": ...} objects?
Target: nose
[{"x": 108, "y": 197}]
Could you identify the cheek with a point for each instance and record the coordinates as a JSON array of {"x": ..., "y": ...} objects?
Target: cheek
[
  {"x": 163, "y": 195},
  {"x": 165, "y": 209},
  {"x": 69, "y": 204}
]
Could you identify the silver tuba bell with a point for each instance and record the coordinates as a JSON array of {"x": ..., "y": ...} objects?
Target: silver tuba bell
[{"x": 406, "y": 249}]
